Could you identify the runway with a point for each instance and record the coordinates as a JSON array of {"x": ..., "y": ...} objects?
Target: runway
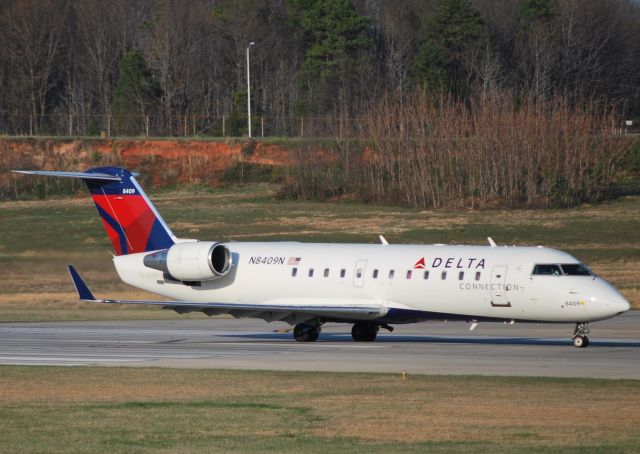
[{"x": 425, "y": 348}]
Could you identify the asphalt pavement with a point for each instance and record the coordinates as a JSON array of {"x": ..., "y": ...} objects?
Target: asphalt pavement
[{"x": 424, "y": 348}]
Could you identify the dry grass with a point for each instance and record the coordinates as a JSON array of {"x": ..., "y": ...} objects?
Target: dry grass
[
  {"x": 247, "y": 410},
  {"x": 490, "y": 411}
]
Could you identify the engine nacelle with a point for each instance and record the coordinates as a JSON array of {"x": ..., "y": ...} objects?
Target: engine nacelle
[{"x": 192, "y": 261}]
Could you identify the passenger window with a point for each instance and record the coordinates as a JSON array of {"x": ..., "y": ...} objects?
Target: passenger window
[
  {"x": 461, "y": 275},
  {"x": 426, "y": 274},
  {"x": 310, "y": 272},
  {"x": 326, "y": 272},
  {"x": 547, "y": 270},
  {"x": 391, "y": 274},
  {"x": 343, "y": 272},
  {"x": 359, "y": 273},
  {"x": 294, "y": 272},
  {"x": 444, "y": 275},
  {"x": 408, "y": 274},
  {"x": 375, "y": 274},
  {"x": 477, "y": 275}
]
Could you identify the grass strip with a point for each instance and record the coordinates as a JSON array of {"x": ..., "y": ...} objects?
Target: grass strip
[{"x": 142, "y": 409}]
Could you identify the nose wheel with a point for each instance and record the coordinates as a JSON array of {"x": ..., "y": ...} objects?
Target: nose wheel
[{"x": 580, "y": 339}]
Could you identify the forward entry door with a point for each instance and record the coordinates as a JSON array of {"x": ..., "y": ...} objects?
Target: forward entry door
[{"x": 498, "y": 291}]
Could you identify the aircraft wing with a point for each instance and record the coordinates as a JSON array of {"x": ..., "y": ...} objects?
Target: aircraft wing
[{"x": 277, "y": 311}]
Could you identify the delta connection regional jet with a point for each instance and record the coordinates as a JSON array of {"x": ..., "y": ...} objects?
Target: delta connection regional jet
[{"x": 367, "y": 285}]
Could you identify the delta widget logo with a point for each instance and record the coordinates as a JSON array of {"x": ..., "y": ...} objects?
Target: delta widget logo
[{"x": 420, "y": 264}]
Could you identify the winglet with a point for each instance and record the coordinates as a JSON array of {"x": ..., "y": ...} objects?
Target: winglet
[{"x": 83, "y": 291}]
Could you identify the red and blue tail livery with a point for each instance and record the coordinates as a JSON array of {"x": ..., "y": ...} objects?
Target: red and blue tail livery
[{"x": 131, "y": 221}]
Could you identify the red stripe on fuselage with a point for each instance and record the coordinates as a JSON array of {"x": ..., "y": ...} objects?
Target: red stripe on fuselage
[{"x": 133, "y": 214}]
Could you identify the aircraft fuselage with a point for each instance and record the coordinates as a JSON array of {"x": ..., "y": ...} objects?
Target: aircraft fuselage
[{"x": 414, "y": 282}]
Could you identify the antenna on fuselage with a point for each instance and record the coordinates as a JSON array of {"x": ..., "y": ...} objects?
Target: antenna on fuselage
[
  {"x": 491, "y": 242},
  {"x": 383, "y": 240}
]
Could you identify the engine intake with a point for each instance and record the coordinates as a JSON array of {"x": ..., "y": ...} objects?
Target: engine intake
[{"x": 192, "y": 261}]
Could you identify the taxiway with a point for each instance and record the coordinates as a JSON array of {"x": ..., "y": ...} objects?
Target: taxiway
[{"x": 425, "y": 348}]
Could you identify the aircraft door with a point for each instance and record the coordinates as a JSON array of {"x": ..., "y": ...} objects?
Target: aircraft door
[
  {"x": 498, "y": 283},
  {"x": 358, "y": 273}
]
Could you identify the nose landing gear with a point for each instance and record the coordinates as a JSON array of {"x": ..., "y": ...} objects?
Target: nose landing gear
[{"x": 580, "y": 339}]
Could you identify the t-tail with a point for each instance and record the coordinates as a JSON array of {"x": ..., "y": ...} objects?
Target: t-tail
[{"x": 130, "y": 219}]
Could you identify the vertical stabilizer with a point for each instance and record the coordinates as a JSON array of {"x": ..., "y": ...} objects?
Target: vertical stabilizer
[{"x": 130, "y": 219}]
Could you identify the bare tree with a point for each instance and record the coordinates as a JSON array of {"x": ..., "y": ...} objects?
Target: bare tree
[
  {"x": 104, "y": 34},
  {"x": 32, "y": 35}
]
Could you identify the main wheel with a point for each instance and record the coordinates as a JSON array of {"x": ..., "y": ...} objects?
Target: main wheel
[
  {"x": 313, "y": 335},
  {"x": 580, "y": 341},
  {"x": 364, "y": 331},
  {"x": 306, "y": 333}
]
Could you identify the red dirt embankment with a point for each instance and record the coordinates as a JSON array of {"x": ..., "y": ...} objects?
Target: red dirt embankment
[{"x": 160, "y": 161}]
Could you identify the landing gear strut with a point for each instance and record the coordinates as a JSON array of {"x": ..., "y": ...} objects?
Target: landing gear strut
[
  {"x": 580, "y": 339},
  {"x": 306, "y": 333},
  {"x": 365, "y": 331}
]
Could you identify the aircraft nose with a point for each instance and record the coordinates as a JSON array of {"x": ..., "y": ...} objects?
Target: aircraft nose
[
  {"x": 613, "y": 303},
  {"x": 617, "y": 304},
  {"x": 616, "y": 301},
  {"x": 622, "y": 306}
]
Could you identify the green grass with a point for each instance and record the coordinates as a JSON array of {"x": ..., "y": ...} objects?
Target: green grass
[
  {"x": 235, "y": 214},
  {"x": 39, "y": 238},
  {"x": 47, "y": 409}
]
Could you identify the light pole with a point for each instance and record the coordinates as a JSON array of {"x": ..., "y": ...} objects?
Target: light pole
[{"x": 249, "y": 89}]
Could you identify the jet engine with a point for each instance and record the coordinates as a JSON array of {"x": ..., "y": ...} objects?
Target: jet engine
[{"x": 192, "y": 261}]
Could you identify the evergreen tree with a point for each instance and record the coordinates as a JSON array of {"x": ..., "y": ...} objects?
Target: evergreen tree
[
  {"x": 453, "y": 41},
  {"x": 136, "y": 94},
  {"x": 538, "y": 10},
  {"x": 335, "y": 40}
]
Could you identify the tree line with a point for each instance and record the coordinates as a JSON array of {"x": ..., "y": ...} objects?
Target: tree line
[{"x": 125, "y": 61}]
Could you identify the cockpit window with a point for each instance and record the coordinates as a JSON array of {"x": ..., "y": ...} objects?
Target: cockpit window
[
  {"x": 547, "y": 270},
  {"x": 568, "y": 269},
  {"x": 575, "y": 269}
]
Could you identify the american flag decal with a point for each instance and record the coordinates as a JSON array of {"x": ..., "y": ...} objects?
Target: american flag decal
[{"x": 294, "y": 260}]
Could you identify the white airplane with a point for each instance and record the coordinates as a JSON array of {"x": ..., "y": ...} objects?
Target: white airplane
[{"x": 367, "y": 285}]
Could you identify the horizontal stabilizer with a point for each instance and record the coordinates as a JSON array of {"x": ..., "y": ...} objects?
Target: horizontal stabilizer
[{"x": 81, "y": 175}]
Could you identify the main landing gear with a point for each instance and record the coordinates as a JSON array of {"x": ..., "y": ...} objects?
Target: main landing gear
[
  {"x": 364, "y": 331},
  {"x": 306, "y": 333},
  {"x": 580, "y": 339},
  {"x": 361, "y": 331},
  {"x": 367, "y": 331}
]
